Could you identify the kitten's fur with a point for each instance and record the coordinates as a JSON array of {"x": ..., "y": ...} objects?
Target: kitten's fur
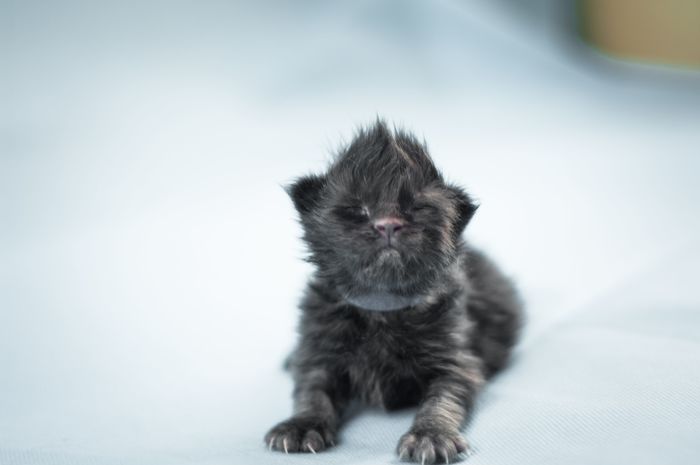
[{"x": 458, "y": 316}]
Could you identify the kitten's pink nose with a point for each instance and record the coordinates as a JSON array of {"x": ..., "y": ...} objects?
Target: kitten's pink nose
[{"x": 388, "y": 226}]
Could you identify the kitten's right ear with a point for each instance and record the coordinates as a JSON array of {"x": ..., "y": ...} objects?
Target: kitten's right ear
[{"x": 306, "y": 192}]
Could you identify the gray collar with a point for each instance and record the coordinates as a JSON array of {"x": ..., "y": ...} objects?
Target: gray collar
[{"x": 383, "y": 301}]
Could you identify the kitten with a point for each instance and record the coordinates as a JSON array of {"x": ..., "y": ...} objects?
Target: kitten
[{"x": 400, "y": 311}]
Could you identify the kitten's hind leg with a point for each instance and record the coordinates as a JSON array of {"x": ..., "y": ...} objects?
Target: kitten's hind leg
[{"x": 497, "y": 309}]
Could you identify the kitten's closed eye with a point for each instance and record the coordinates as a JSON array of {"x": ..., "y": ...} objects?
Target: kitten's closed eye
[
  {"x": 423, "y": 208},
  {"x": 352, "y": 213}
]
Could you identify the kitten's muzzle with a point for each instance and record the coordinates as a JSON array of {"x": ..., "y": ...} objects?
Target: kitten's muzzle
[{"x": 389, "y": 227}]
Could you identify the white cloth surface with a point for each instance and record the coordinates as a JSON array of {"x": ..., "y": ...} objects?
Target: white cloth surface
[{"x": 150, "y": 262}]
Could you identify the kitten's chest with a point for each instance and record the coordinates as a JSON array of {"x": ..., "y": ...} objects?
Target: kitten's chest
[{"x": 387, "y": 364}]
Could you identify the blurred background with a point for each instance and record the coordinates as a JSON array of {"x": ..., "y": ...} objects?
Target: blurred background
[{"x": 150, "y": 261}]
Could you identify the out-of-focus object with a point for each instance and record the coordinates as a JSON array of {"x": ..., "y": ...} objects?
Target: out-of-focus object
[{"x": 664, "y": 31}]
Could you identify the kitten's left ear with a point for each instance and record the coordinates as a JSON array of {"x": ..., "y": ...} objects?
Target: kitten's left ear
[
  {"x": 466, "y": 208},
  {"x": 306, "y": 192}
]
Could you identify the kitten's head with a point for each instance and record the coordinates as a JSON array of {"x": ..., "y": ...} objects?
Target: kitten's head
[{"x": 381, "y": 219}]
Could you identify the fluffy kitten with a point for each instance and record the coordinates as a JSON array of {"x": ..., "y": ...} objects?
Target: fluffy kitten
[{"x": 400, "y": 311}]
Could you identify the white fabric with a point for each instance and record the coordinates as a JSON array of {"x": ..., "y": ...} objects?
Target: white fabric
[{"x": 150, "y": 261}]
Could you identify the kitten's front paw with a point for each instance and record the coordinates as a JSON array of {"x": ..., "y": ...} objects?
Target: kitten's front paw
[
  {"x": 431, "y": 446},
  {"x": 300, "y": 435}
]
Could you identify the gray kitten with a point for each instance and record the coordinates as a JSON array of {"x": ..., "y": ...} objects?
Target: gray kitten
[{"x": 400, "y": 311}]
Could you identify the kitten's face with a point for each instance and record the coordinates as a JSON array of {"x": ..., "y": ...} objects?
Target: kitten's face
[{"x": 381, "y": 219}]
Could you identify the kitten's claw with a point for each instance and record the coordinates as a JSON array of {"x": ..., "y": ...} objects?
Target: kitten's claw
[
  {"x": 429, "y": 446},
  {"x": 300, "y": 434},
  {"x": 469, "y": 451}
]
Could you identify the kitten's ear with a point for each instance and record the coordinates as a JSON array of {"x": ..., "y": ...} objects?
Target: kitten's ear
[
  {"x": 466, "y": 208},
  {"x": 306, "y": 192}
]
